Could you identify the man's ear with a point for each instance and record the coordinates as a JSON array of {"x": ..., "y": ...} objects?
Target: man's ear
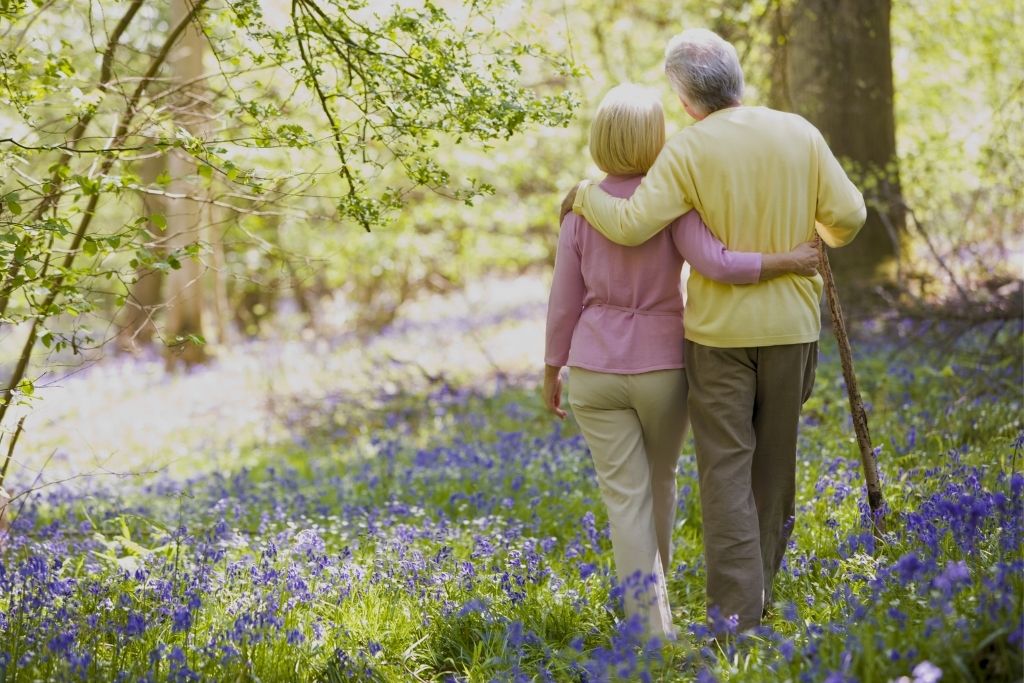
[{"x": 689, "y": 109}]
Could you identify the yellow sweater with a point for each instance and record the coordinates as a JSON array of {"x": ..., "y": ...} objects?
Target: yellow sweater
[{"x": 763, "y": 180}]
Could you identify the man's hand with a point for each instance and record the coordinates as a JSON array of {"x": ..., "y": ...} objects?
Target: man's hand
[
  {"x": 552, "y": 391},
  {"x": 567, "y": 203}
]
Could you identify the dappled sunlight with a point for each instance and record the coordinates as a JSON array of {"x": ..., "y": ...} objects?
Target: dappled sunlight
[{"x": 122, "y": 414}]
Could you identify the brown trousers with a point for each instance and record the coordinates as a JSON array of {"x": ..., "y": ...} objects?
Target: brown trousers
[{"x": 745, "y": 408}]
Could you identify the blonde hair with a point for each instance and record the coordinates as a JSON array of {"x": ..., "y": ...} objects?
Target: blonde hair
[{"x": 628, "y": 130}]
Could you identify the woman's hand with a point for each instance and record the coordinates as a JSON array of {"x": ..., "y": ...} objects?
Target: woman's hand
[
  {"x": 567, "y": 202},
  {"x": 803, "y": 260},
  {"x": 552, "y": 391}
]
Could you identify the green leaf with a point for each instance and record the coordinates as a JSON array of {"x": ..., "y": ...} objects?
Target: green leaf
[{"x": 158, "y": 221}]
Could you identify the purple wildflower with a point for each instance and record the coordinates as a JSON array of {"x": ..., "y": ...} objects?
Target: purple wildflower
[{"x": 182, "y": 620}]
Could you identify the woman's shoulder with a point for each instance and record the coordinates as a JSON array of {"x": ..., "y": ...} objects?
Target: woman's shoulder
[{"x": 621, "y": 186}]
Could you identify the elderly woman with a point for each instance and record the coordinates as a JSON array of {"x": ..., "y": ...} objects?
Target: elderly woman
[{"x": 615, "y": 317}]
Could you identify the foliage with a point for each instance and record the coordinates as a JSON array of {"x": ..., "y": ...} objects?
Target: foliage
[
  {"x": 960, "y": 97},
  {"x": 320, "y": 117},
  {"x": 457, "y": 534},
  {"x": 390, "y": 90}
]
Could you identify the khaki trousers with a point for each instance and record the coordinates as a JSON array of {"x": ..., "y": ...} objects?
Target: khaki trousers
[
  {"x": 634, "y": 426},
  {"x": 745, "y": 406}
]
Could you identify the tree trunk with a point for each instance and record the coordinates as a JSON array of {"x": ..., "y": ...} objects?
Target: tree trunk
[
  {"x": 185, "y": 217},
  {"x": 832, "y": 64},
  {"x": 219, "y": 307},
  {"x": 136, "y": 324}
]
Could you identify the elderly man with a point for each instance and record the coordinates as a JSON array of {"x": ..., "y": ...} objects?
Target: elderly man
[{"x": 763, "y": 180}]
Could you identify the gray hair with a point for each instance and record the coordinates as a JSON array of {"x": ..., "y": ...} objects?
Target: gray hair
[{"x": 704, "y": 68}]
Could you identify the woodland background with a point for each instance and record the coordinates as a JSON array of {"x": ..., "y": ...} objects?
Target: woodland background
[{"x": 177, "y": 173}]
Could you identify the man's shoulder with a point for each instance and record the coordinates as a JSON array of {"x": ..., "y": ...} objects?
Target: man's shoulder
[
  {"x": 756, "y": 117},
  {"x": 682, "y": 137},
  {"x": 775, "y": 129},
  {"x": 782, "y": 118}
]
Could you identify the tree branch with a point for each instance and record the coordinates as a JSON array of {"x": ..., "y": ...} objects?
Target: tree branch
[{"x": 123, "y": 125}]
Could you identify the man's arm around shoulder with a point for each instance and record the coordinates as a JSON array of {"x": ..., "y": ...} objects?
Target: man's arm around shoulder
[{"x": 662, "y": 197}]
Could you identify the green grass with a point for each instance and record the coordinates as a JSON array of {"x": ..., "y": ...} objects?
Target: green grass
[{"x": 461, "y": 534}]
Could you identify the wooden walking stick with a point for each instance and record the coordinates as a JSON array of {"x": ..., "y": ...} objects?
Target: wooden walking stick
[{"x": 860, "y": 418}]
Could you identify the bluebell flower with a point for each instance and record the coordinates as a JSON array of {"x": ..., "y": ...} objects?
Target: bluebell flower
[
  {"x": 1016, "y": 637},
  {"x": 1017, "y": 483},
  {"x": 135, "y": 625},
  {"x": 514, "y": 634},
  {"x": 722, "y": 624},
  {"x": 79, "y": 662},
  {"x": 908, "y": 567},
  {"x": 705, "y": 676},
  {"x": 182, "y": 620},
  {"x": 955, "y": 575},
  {"x": 62, "y": 642},
  {"x": 473, "y": 606},
  {"x": 588, "y": 523},
  {"x": 176, "y": 657}
]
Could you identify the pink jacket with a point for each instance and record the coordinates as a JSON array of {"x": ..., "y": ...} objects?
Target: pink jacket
[{"x": 619, "y": 309}]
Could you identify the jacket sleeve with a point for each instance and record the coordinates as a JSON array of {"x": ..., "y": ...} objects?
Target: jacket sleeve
[
  {"x": 565, "y": 304},
  {"x": 709, "y": 257}
]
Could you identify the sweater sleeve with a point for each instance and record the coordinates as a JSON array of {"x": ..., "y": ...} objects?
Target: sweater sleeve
[
  {"x": 568, "y": 290},
  {"x": 709, "y": 256},
  {"x": 840, "y": 211},
  {"x": 661, "y": 198}
]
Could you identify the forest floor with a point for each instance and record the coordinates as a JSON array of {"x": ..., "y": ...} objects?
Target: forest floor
[
  {"x": 397, "y": 508},
  {"x": 125, "y": 414}
]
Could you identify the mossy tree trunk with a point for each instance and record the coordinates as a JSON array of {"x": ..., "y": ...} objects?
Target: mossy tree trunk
[
  {"x": 832, "y": 64},
  {"x": 186, "y": 217},
  {"x": 136, "y": 320}
]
